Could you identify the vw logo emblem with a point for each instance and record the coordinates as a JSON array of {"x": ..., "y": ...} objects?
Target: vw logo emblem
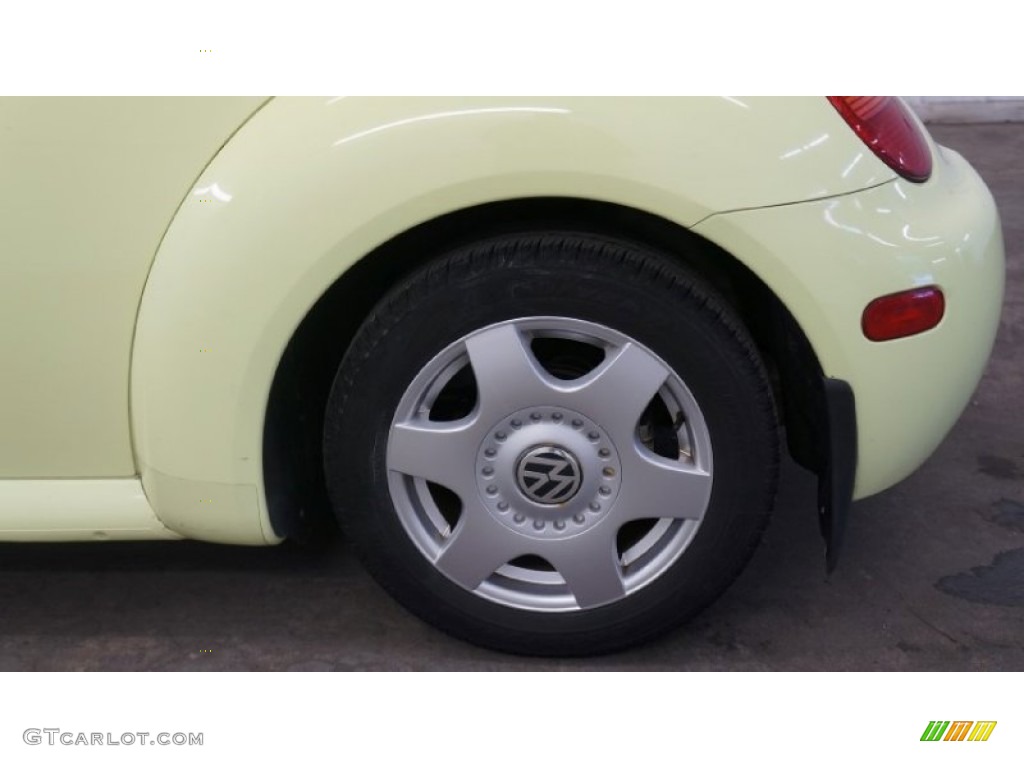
[{"x": 548, "y": 475}]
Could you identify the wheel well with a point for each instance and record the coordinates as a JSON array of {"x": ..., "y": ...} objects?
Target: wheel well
[{"x": 292, "y": 454}]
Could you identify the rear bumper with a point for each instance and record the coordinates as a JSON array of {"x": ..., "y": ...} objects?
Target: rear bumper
[{"x": 827, "y": 259}]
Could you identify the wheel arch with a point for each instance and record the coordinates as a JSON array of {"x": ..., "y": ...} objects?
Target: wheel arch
[{"x": 292, "y": 438}]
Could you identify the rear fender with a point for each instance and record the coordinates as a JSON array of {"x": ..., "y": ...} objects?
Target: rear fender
[{"x": 308, "y": 187}]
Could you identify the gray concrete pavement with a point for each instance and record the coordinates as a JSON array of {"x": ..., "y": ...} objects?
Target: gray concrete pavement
[{"x": 931, "y": 578}]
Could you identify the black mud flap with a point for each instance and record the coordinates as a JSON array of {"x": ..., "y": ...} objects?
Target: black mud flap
[{"x": 835, "y": 481}]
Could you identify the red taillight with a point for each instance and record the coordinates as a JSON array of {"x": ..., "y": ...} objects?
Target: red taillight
[
  {"x": 885, "y": 124},
  {"x": 903, "y": 314}
]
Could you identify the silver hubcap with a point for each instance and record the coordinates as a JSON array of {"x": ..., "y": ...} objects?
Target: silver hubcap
[{"x": 573, "y": 469}]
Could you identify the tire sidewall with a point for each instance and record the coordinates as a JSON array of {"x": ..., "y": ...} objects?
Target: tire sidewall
[{"x": 665, "y": 309}]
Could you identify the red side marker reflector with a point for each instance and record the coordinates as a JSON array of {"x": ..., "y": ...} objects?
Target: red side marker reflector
[{"x": 903, "y": 314}]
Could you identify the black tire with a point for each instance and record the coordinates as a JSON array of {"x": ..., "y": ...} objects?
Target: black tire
[{"x": 643, "y": 294}]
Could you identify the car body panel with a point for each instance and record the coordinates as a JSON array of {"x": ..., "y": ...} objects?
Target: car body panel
[
  {"x": 87, "y": 189},
  {"x": 309, "y": 187},
  {"x": 306, "y": 188},
  {"x": 78, "y": 510},
  {"x": 827, "y": 260}
]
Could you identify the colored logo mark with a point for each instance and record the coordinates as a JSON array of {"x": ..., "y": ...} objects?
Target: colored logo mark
[{"x": 958, "y": 730}]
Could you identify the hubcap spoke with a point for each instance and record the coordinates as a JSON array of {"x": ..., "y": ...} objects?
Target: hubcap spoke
[
  {"x": 619, "y": 390},
  {"x": 437, "y": 451},
  {"x": 590, "y": 567},
  {"x": 654, "y": 487},
  {"x": 478, "y": 547},
  {"x": 507, "y": 375}
]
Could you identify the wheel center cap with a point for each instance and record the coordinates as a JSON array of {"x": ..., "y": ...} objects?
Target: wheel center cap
[{"x": 548, "y": 474}]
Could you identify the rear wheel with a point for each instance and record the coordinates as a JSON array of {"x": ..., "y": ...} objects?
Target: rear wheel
[{"x": 552, "y": 444}]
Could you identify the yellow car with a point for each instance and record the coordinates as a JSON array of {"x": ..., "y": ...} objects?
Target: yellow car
[{"x": 534, "y": 355}]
